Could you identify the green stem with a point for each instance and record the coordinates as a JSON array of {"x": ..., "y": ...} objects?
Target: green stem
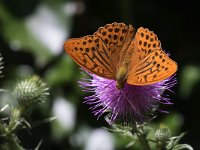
[
  {"x": 10, "y": 130},
  {"x": 13, "y": 143},
  {"x": 142, "y": 138},
  {"x": 14, "y": 120},
  {"x": 161, "y": 146}
]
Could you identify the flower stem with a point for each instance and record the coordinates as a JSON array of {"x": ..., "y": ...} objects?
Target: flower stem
[{"x": 141, "y": 137}]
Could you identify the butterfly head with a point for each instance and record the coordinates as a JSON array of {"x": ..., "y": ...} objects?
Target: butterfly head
[
  {"x": 120, "y": 85},
  {"x": 121, "y": 77}
]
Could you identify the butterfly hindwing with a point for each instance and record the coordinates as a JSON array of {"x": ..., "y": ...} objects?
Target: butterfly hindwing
[
  {"x": 150, "y": 64},
  {"x": 114, "y": 46}
]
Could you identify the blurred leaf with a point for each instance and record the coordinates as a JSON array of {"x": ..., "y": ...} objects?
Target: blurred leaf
[
  {"x": 190, "y": 76},
  {"x": 174, "y": 121},
  {"x": 43, "y": 39},
  {"x": 16, "y": 33},
  {"x": 58, "y": 132},
  {"x": 60, "y": 72}
]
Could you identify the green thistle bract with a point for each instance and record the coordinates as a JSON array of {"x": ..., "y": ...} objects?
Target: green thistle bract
[
  {"x": 31, "y": 91},
  {"x": 162, "y": 134}
]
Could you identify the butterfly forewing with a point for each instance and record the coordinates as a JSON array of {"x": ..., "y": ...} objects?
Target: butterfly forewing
[
  {"x": 150, "y": 64},
  {"x": 91, "y": 54},
  {"x": 112, "y": 53},
  {"x": 117, "y": 38},
  {"x": 103, "y": 52}
]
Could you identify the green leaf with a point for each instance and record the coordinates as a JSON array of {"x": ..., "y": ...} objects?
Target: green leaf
[
  {"x": 17, "y": 35},
  {"x": 38, "y": 146},
  {"x": 173, "y": 121},
  {"x": 61, "y": 72},
  {"x": 190, "y": 76},
  {"x": 183, "y": 147},
  {"x": 173, "y": 143}
]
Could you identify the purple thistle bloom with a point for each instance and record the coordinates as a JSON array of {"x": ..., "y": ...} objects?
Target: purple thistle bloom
[{"x": 129, "y": 104}]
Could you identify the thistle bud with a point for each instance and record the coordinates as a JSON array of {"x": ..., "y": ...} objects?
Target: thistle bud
[
  {"x": 30, "y": 91},
  {"x": 162, "y": 135}
]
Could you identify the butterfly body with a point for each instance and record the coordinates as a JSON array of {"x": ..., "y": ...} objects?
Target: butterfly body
[
  {"x": 116, "y": 52},
  {"x": 122, "y": 72},
  {"x": 121, "y": 77}
]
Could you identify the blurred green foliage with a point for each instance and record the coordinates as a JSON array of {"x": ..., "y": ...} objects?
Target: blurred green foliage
[{"x": 190, "y": 78}]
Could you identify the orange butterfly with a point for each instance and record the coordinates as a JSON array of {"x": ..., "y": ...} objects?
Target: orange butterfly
[{"x": 116, "y": 52}]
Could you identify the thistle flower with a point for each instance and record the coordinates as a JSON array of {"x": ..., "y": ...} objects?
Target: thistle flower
[
  {"x": 132, "y": 103},
  {"x": 30, "y": 91}
]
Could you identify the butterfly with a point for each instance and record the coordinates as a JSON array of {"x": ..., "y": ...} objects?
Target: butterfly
[{"x": 116, "y": 52}]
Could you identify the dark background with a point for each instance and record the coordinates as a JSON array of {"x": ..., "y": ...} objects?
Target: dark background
[{"x": 175, "y": 22}]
